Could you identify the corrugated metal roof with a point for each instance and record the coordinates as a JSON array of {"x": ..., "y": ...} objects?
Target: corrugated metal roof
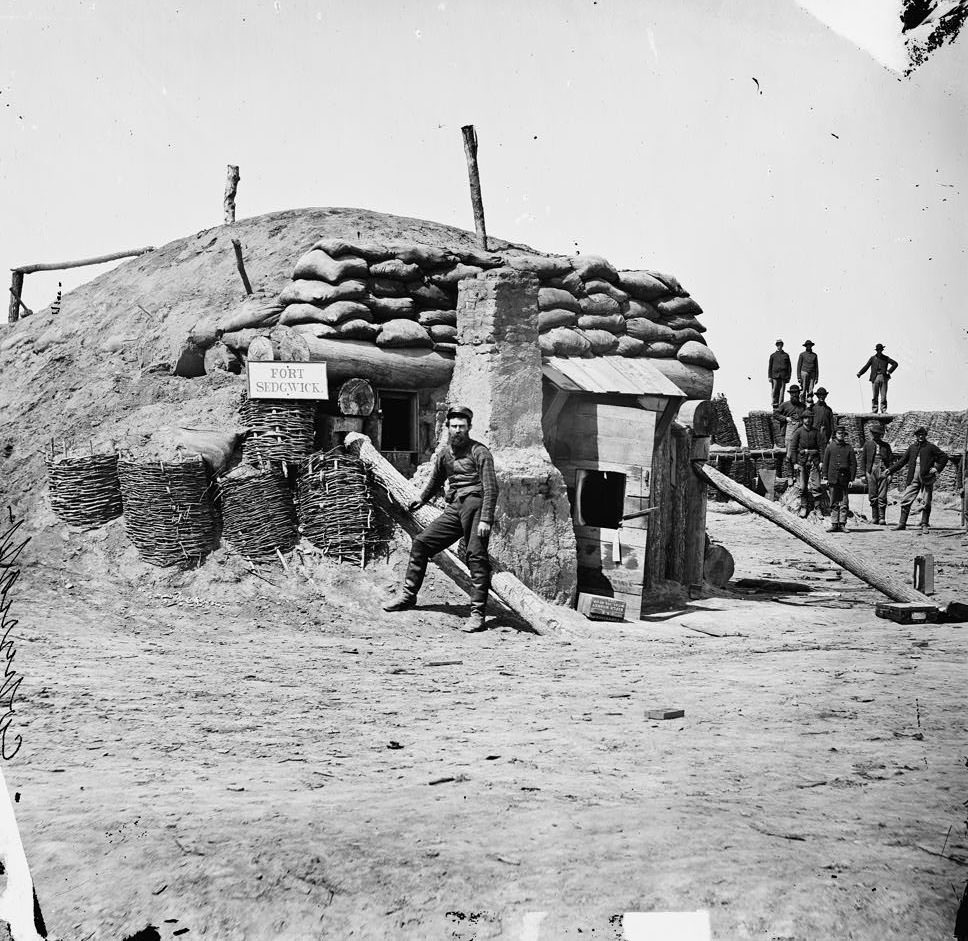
[{"x": 609, "y": 374}]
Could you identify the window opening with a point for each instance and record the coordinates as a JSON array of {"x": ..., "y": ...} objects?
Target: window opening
[{"x": 599, "y": 498}]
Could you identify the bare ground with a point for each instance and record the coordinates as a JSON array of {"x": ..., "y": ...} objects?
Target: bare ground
[{"x": 249, "y": 760}]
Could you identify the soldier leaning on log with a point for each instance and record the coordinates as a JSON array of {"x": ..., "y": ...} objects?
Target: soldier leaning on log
[
  {"x": 875, "y": 458},
  {"x": 468, "y": 468},
  {"x": 839, "y": 470},
  {"x": 881, "y": 367},
  {"x": 789, "y": 414},
  {"x": 924, "y": 461},
  {"x": 807, "y": 448},
  {"x": 778, "y": 372}
]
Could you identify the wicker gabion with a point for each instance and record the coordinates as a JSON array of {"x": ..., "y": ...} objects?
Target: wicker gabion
[
  {"x": 740, "y": 469},
  {"x": 169, "y": 513},
  {"x": 85, "y": 490},
  {"x": 279, "y": 431},
  {"x": 759, "y": 430},
  {"x": 336, "y": 512},
  {"x": 724, "y": 433},
  {"x": 258, "y": 514}
]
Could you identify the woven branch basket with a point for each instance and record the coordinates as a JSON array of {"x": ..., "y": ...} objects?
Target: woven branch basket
[
  {"x": 279, "y": 431},
  {"x": 169, "y": 513},
  {"x": 759, "y": 430},
  {"x": 258, "y": 514},
  {"x": 85, "y": 490},
  {"x": 725, "y": 433}
]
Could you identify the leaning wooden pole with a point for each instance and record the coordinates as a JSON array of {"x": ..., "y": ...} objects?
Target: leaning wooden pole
[
  {"x": 477, "y": 201},
  {"x": 16, "y": 291},
  {"x": 835, "y": 550},
  {"x": 542, "y": 616},
  {"x": 83, "y": 262}
]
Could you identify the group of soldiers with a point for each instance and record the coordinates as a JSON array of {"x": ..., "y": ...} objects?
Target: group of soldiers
[{"x": 821, "y": 457}]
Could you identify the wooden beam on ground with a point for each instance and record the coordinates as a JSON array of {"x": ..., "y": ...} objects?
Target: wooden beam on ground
[
  {"x": 83, "y": 262},
  {"x": 541, "y": 615},
  {"x": 473, "y": 175},
  {"x": 834, "y": 549}
]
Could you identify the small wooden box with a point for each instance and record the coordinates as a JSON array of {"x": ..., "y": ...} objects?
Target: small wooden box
[
  {"x": 907, "y": 612},
  {"x": 600, "y": 608}
]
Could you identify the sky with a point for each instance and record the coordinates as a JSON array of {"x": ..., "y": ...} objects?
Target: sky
[{"x": 796, "y": 187}]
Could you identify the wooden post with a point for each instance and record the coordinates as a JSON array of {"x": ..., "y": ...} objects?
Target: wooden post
[
  {"x": 16, "y": 292},
  {"x": 231, "y": 186},
  {"x": 834, "y": 549},
  {"x": 240, "y": 264},
  {"x": 964, "y": 483},
  {"x": 477, "y": 201},
  {"x": 541, "y": 615}
]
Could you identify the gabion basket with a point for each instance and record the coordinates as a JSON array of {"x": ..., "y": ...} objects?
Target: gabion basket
[
  {"x": 336, "y": 511},
  {"x": 258, "y": 514},
  {"x": 759, "y": 430},
  {"x": 85, "y": 490},
  {"x": 739, "y": 470},
  {"x": 725, "y": 433},
  {"x": 279, "y": 431},
  {"x": 169, "y": 514}
]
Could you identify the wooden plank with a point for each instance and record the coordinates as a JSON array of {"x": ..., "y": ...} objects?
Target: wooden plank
[{"x": 560, "y": 379}]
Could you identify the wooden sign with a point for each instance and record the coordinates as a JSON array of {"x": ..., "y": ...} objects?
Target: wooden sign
[
  {"x": 278, "y": 380},
  {"x": 600, "y": 608}
]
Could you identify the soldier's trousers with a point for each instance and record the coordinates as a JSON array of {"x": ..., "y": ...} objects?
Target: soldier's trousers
[
  {"x": 924, "y": 489},
  {"x": 807, "y": 383},
  {"x": 877, "y": 482},
  {"x": 879, "y": 389},
  {"x": 461, "y": 518},
  {"x": 778, "y": 385},
  {"x": 839, "y": 502},
  {"x": 809, "y": 479}
]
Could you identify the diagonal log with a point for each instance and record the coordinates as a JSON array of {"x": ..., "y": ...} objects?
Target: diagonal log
[
  {"x": 835, "y": 550},
  {"x": 542, "y": 616}
]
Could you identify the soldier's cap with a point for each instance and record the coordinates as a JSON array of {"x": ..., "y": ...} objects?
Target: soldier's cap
[
  {"x": 807, "y": 414},
  {"x": 821, "y": 391},
  {"x": 808, "y": 343},
  {"x": 839, "y": 429},
  {"x": 779, "y": 343},
  {"x": 460, "y": 411},
  {"x": 920, "y": 431},
  {"x": 878, "y": 346},
  {"x": 794, "y": 389},
  {"x": 876, "y": 426}
]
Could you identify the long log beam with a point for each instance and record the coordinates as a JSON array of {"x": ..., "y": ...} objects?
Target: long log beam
[
  {"x": 97, "y": 260},
  {"x": 542, "y": 616},
  {"x": 835, "y": 550},
  {"x": 391, "y": 368}
]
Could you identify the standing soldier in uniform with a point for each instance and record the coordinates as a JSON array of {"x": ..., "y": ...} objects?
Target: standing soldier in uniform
[
  {"x": 823, "y": 414},
  {"x": 779, "y": 372},
  {"x": 881, "y": 367},
  {"x": 472, "y": 495},
  {"x": 808, "y": 369},
  {"x": 839, "y": 469},
  {"x": 924, "y": 461},
  {"x": 807, "y": 448},
  {"x": 790, "y": 413},
  {"x": 875, "y": 459}
]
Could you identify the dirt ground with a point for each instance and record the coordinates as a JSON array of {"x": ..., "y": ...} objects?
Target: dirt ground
[{"x": 232, "y": 757}]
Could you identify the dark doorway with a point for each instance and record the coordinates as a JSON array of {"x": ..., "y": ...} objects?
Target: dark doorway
[{"x": 600, "y": 498}]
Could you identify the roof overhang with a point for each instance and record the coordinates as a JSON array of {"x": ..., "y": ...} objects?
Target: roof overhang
[{"x": 610, "y": 375}]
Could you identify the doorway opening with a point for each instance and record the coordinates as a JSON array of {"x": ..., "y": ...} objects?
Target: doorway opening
[{"x": 599, "y": 498}]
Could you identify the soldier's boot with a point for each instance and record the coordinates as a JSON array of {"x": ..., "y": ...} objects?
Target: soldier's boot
[
  {"x": 874, "y": 406},
  {"x": 407, "y": 598},
  {"x": 925, "y": 516},
  {"x": 875, "y": 514},
  {"x": 902, "y": 522}
]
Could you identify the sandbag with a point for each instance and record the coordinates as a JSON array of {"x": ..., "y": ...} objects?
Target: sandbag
[
  {"x": 598, "y": 286},
  {"x": 288, "y": 346},
  {"x": 642, "y": 285},
  {"x": 590, "y": 267},
  {"x": 391, "y": 308},
  {"x": 473, "y": 256},
  {"x": 670, "y": 280},
  {"x": 640, "y": 309},
  {"x": 306, "y": 291},
  {"x": 252, "y": 312},
  {"x": 336, "y": 313},
  {"x": 396, "y": 269},
  {"x": 600, "y": 304},
  {"x": 219, "y": 358},
  {"x": 429, "y": 295},
  {"x": 386, "y": 287},
  {"x": 648, "y": 331},
  {"x": 543, "y": 266},
  {"x": 453, "y": 276},
  {"x": 322, "y": 331},
  {"x": 695, "y": 354},
  {"x": 214, "y": 446},
  {"x": 239, "y": 340},
  {"x": 316, "y": 265},
  {"x": 569, "y": 282},
  {"x": 601, "y": 341},
  {"x": 684, "y": 323},
  {"x": 562, "y": 341},
  {"x": 443, "y": 333},
  {"x": 659, "y": 349},
  {"x": 431, "y": 318},
  {"x": 205, "y": 332},
  {"x": 629, "y": 346},
  {"x": 612, "y": 323},
  {"x": 426, "y": 256},
  {"x": 557, "y": 299},
  {"x": 678, "y": 307},
  {"x": 337, "y": 248},
  {"x": 549, "y": 319},
  {"x": 684, "y": 336},
  {"x": 403, "y": 333},
  {"x": 358, "y": 329}
]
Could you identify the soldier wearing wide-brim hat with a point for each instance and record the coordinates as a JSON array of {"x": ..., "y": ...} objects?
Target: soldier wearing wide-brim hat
[
  {"x": 839, "y": 468},
  {"x": 881, "y": 366},
  {"x": 875, "y": 458},
  {"x": 823, "y": 414},
  {"x": 790, "y": 415},
  {"x": 924, "y": 461},
  {"x": 808, "y": 369},
  {"x": 468, "y": 468},
  {"x": 778, "y": 372}
]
